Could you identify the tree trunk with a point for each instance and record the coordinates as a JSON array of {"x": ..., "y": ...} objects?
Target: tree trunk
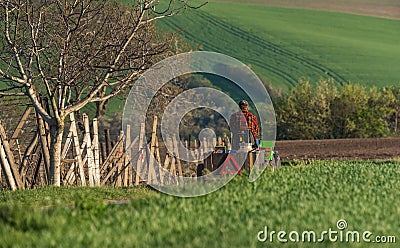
[
  {"x": 56, "y": 134},
  {"x": 101, "y": 108}
]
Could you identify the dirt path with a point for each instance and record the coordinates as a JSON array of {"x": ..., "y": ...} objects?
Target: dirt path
[
  {"x": 379, "y": 8},
  {"x": 385, "y": 148}
]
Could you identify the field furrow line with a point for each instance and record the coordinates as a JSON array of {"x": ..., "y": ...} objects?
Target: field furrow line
[
  {"x": 210, "y": 45},
  {"x": 234, "y": 30}
]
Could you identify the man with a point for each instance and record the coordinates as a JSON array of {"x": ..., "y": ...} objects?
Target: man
[{"x": 244, "y": 126}]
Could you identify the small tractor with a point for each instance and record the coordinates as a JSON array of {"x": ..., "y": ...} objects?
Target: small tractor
[{"x": 230, "y": 161}]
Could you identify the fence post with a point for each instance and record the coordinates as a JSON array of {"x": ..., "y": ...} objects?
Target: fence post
[
  {"x": 112, "y": 158},
  {"x": 78, "y": 154},
  {"x": 89, "y": 151},
  {"x": 204, "y": 146},
  {"x": 108, "y": 141},
  {"x": 197, "y": 153},
  {"x": 151, "y": 172},
  {"x": 166, "y": 162},
  {"x": 103, "y": 152},
  {"x": 187, "y": 149},
  {"x": 142, "y": 153},
  {"x": 20, "y": 125},
  {"x": 176, "y": 151},
  {"x": 96, "y": 152},
  {"x": 121, "y": 161},
  {"x": 158, "y": 158},
  {"x": 172, "y": 168},
  {"x": 8, "y": 155},
  {"x": 7, "y": 169},
  {"x": 31, "y": 147},
  {"x": 128, "y": 169}
]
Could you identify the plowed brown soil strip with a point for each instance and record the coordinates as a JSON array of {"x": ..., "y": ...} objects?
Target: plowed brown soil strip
[
  {"x": 379, "y": 8},
  {"x": 358, "y": 149}
]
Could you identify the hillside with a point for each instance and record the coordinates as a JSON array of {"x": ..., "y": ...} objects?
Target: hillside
[
  {"x": 380, "y": 8},
  {"x": 285, "y": 44}
]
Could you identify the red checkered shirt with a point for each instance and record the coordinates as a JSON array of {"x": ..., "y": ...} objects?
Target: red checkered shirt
[{"x": 252, "y": 122}]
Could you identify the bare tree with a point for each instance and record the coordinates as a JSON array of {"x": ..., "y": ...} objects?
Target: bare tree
[{"x": 74, "y": 52}]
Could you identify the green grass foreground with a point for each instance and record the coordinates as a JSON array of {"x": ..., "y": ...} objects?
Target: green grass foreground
[{"x": 299, "y": 197}]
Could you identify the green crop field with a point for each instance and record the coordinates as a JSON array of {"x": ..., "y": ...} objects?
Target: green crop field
[
  {"x": 283, "y": 45},
  {"x": 299, "y": 197}
]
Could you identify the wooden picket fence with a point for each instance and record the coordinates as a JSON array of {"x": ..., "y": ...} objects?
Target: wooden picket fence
[{"x": 87, "y": 161}]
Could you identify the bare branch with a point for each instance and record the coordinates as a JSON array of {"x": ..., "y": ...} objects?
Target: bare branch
[
  {"x": 11, "y": 93},
  {"x": 12, "y": 78},
  {"x": 10, "y": 42},
  {"x": 31, "y": 92},
  {"x": 79, "y": 51}
]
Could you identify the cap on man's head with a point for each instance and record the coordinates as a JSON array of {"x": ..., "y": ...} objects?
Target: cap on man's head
[{"x": 243, "y": 103}]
